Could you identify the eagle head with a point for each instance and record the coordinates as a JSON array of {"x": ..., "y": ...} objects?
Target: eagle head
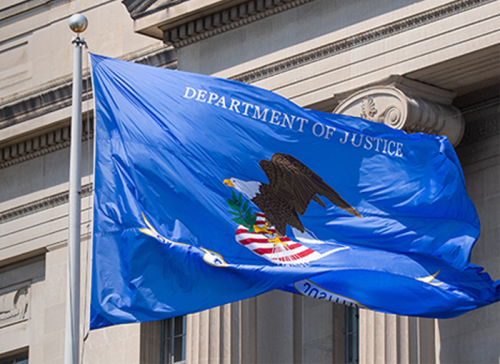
[{"x": 248, "y": 188}]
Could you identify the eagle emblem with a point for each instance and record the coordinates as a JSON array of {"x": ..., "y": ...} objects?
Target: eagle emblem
[{"x": 292, "y": 186}]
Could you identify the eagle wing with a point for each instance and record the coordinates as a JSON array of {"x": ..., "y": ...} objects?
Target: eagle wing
[
  {"x": 279, "y": 212},
  {"x": 296, "y": 183}
]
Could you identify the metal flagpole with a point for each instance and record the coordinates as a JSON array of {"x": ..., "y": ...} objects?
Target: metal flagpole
[{"x": 77, "y": 23}]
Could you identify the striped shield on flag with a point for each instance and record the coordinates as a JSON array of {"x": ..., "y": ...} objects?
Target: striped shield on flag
[{"x": 265, "y": 242}]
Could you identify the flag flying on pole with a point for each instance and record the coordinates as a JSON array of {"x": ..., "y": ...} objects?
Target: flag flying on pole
[{"x": 209, "y": 191}]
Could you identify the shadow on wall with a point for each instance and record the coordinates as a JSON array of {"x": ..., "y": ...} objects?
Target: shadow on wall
[{"x": 472, "y": 338}]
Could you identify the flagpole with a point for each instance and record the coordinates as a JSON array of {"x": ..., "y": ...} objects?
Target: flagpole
[{"x": 77, "y": 23}]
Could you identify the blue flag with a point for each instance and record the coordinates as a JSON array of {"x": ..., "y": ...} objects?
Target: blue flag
[{"x": 209, "y": 191}]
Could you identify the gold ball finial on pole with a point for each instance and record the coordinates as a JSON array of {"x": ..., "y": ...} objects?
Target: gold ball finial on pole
[{"x": 78, "y": 23}]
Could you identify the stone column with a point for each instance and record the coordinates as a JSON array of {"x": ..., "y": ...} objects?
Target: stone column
[
  {"x": 395, "y": 339},
  {"x": 223, "y": 335},
  {"x": 276, "y": 327}
]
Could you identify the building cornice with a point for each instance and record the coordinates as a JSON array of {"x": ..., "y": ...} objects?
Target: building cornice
[
  {"x": 359, "y": 40},
  {"x": 40, "y": 145},
  {"x": 58, "y": 95},
  {"x": 224, "y": 20},
  {"x": 52, "y": 98},
  {"x": 42, "y": 204}
]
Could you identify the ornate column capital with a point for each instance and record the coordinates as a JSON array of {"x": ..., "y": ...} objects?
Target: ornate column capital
[{"x": 405, "y": 104}]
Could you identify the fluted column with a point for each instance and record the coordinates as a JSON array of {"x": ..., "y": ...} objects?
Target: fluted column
[
  {"x": 276, "y": 327},
  {"x": 395, "y": 339},
  {"x": 222, "y": 335},
  {"x": 247, "y": 345}
]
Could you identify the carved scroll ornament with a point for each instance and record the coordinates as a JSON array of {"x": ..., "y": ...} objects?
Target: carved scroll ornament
[{"x": 406, "y": 110}]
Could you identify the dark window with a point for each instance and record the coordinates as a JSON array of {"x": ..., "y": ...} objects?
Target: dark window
[
  {"x": 351, "y": 335},
  {"x": 173, "y": 340},
  {"x": 19, "y": 358}
]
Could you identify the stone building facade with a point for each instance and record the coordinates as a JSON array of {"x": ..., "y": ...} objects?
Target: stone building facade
[{"x": 427, "y": 65}]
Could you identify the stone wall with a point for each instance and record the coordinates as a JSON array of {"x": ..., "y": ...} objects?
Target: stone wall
[{"x": 474, "y": 337}]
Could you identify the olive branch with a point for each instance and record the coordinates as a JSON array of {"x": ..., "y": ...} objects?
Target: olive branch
[{"x": 243, "y": 212}]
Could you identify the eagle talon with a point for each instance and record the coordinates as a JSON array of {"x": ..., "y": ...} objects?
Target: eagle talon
[
  {"x": 277, "y": 241},
  {"x": 263, "y": 229}
]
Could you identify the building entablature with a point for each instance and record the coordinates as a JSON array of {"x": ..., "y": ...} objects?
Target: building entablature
[{"x": 182, "y": 22}]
